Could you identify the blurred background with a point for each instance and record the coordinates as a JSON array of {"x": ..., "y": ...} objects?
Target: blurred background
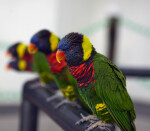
[{"x": 20, "y": 19}]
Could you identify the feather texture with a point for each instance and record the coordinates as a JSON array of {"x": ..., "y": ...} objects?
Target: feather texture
[{"x": 110, "y": 87}]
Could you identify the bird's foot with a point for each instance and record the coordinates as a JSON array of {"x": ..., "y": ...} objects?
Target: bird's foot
[
  {"x": 90, "y": 118},
  {"x": 65, "y": 101},
  {"x": 58, "y": 94},
  {"x": 43, "y": 84},
  {"x": 37, "y": 85},
  {"x": 73, "y": 103},
  {"x": 101, "y": 125}
]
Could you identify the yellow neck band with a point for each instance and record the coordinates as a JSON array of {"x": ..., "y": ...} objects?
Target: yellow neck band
[
  {"x": 21, "y": 50},
  {"x": 53, "y": 41},
  {"x": 87, "y": 48}
]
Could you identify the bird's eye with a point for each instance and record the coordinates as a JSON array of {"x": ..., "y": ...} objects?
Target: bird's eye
[
  {"x": 71, "y": 47},
  {"x": 40, "y": 41}
]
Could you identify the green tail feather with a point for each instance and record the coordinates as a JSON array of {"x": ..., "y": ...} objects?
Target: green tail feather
[
  {"x": 123, "y": 121},
  {"x": 133, "y": 126}
]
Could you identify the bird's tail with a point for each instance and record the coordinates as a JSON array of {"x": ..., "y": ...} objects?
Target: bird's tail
[
  {"x": 133, "y": 126},
  {"x": 123, "y": 120}
]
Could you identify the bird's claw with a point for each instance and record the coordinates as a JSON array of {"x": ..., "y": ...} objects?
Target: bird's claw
[
  {"x": 75, "y": 104},
  {"x": 65, "y": 101},
  {"x": 91, "y": 123},
  {"x": 60, "y": 104},
  {"x": 37, "y": 85},
  {"x": 79, "y": 122},
  {"x": 101, "y": 125},
  {"x": 90, "y": 118},
  {"x": 56, "y": 95}
]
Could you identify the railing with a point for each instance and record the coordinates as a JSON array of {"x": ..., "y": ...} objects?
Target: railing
[{"x": 34, "y": 99}]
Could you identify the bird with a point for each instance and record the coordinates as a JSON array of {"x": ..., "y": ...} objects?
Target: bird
[
  {"x": 100, "y": 82},
  {"x": 44, "y": 43},
  {"x": 19, "y": 65},
  {"x": 19, "y": 50},
  {"x": 22, "y": 65}
]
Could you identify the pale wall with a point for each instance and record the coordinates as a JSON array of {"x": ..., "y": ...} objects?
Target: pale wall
[{"x": 20, "y": 19}]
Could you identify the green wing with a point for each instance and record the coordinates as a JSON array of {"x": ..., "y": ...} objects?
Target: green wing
[
  {"x": 110, "y": 87},
  {"x": 41, "y": 66}
]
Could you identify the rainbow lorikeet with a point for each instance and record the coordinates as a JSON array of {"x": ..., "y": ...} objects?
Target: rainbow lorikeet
[
  {"x": 19, "y": 65},
  {"x": 40, "y": 43},
  {"x": 101, "y": 84},
  {"x": 44, "y": 44},
  {"x": 23, "y": 61},
  {"x": 19, "y": 51},
  {"x": 25, "y": 66}
]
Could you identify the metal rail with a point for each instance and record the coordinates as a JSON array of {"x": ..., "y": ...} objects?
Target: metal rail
[
  {"x": 34, "y": 99},
  {"x": 136, "y": 72}
]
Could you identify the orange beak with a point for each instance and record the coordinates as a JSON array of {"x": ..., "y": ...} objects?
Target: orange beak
[
  {"x": 32, "y": 49},
  {"x": 8, "y": 67},
  {"x": 8, "y": 54},
  {"x": 60, "y": 55}
]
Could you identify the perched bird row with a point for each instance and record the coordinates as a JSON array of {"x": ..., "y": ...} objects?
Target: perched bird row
[
  {"x": 43, "y": 46},
  {"x": 81, "y": 74}
]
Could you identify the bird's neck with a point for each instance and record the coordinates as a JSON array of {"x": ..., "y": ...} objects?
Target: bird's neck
[
  {"x": 83, "y": 73},
  {"x": 27, "y": 56}
]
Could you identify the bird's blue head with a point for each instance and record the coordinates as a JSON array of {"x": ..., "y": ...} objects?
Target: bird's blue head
[
  {"x": 17, "y": 50},
  {"x": 11, "y": 52},
  {"x": 43, "y": 41},
  {"x": 75, "y": 48}
]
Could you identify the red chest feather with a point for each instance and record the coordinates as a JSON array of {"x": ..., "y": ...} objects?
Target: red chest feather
[
  {"x": 55, "y": 67},
  {"x": 84, "y": 73},
  {"x": 28, "y": 57}
]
